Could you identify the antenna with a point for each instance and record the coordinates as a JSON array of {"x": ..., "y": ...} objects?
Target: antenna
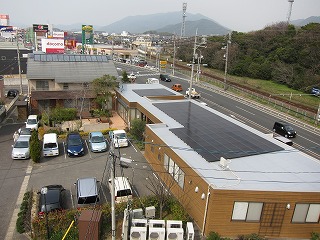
[
  {"x": 183, "y": 27},
  {"x": 290, "y": 10}
]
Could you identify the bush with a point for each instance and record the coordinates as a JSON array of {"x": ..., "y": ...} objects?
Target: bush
[
  {"x": 22, "y": 220},
  {"x": 35, "y": 147},
  {"x": 315, "y": 236}
]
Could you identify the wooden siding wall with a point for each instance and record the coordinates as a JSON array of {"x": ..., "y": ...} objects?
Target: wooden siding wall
[
  {"x": 221, "y": 207},
  {"x": 221, "y": 202},
  {"x": 187, "y": 196}
]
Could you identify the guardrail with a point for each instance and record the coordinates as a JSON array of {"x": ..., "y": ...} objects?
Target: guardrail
[{"x": 3, "y": 112}]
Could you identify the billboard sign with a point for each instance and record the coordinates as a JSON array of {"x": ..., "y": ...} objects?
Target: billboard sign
[
  {"x": 58, "y": 35},
  {"x": 52, "y": 45},
  {"x": 87, "y": 34},
  {"x": 40, "y": 28},
  {"x": 6, "y": 28}
]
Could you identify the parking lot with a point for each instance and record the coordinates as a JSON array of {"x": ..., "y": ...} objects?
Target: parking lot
[{"x": 65, "y": 170}]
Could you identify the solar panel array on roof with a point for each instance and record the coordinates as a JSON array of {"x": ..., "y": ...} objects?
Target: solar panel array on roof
[
  {"x": 69, "y": 58},
  {"x": 212, "y": 136},
  {"x": 153, "y": 92}
]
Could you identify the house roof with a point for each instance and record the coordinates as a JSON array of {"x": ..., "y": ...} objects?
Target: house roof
[
  {"x": 274, "y": 167},
  {"x": 66, "y": 68}
]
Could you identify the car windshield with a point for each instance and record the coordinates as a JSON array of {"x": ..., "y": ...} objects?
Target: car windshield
[
  {"x": 25, "y": 131},
  {"x": 21, "y": 144},
  {"x": 75, "y": 141},
  {"x": 288, "y": 128},
  {"x": 121, "y": 136},
  {"x": 50, "y": 145},
  {"x": 31, "y": 121},
  {"x": 97, "y": 139}
]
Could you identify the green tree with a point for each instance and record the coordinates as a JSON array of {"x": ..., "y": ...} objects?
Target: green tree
[
  {"x": 59, "y": 114},
  {"x": 104, "y": 88},
  {"x": 125, "y": 78},
  {"x": 137, "y": 129},
  {"x": 35, "y": 147}
]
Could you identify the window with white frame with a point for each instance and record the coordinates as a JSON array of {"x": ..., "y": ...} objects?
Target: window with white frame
[
  {"x": 306, "y": 213},
  {"x": 166, "y": 162},
  {"x": 247, "y": 211},
  {"x": 65, "y": 86},
  {"x": 174, "y": 170}
]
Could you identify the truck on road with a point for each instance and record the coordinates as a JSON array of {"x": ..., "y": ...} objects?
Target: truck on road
[{"x": 193, "y": 94}]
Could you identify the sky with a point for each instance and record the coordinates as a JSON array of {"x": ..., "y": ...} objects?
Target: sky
[{"x": 237, "y": 15}]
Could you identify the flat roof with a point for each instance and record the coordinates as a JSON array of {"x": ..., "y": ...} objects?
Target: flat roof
[{"x": 260, "y": 164}]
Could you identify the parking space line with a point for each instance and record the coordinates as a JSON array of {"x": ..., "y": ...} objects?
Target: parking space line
[
  {"x": 64, "y": 150},
  {"x": 88, "y": 148}
]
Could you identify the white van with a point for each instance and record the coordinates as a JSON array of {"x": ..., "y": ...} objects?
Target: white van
[
  {"x": 118, "y": 138},
  {"x": 122, "y": 189},
  {"x": 152, "y": 81},
  {"x": 50, "y": 145},
  {"x": 32, "y": 122}
]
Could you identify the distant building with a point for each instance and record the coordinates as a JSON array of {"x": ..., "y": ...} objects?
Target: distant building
[{"x": 64, "y": 80}]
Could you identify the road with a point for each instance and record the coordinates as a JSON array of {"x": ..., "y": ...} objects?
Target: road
[
  {"x": 252, "y": 114},
  {"x": 64, "y": 170}
]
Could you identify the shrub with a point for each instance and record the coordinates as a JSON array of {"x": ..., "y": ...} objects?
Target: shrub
[
  {"x": 22, "y": 220},
  {"x": 35, "y": 147},
  {"x": 315, "y": 236}
]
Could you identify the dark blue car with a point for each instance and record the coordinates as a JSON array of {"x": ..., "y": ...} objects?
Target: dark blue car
[
  {"x": 315, "y": 91},
  {"x": 74, "y": 145}
]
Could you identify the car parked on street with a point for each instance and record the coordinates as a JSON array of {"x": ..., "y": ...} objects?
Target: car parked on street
[
  {"x": 12, "y": 93},
  {"x": 74, "y": 145},
  {"x": 21, "y": 148},
  {"x": 32, "y": 122},
  {"x": 164, "y": 77},
  {"x": 51, "y": 198},
  {"x": 97, "y": 142},
  {"x": 284, "y": 129}
]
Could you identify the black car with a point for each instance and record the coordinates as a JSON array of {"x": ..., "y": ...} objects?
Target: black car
[
  {"x": 75, "y": 146},
  {"x": 284, "y": 129},
  {"x": 12, "y": 93},
  {"x": 52, "y": 198},
  {"x": 164, "y": 77}
]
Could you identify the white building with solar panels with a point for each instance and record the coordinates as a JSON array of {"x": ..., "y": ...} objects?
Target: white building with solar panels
[{"x": 231, "y": 178}]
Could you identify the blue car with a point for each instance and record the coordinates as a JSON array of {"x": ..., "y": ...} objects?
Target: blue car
[
  {"x": 97, "y": 142},
  {"x": 74, "y": 145},
  {"x": 315, "y": 91}
]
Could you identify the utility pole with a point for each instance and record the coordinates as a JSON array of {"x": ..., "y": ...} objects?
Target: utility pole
[
  {"x": 226, "y": 63},
  {"x": 19, "y": 64},
  {"x": 174, "y": 54},
  {"x": 192, "y": 66},
  {"x": 113, "y": 211}
]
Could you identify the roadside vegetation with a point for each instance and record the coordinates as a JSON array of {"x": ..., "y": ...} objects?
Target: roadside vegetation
[{"x": 279, "y": 60}]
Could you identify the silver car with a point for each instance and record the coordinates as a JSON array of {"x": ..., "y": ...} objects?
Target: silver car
[
  {"x": 21, "y": 148},
  {"x": 97, "y": 142}
]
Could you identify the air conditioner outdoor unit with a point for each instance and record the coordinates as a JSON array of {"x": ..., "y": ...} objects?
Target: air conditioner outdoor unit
[
  {"x": 157, "y": 233},
  {"x": 174, "y": 224},
  {"x": 157, "y": 223},
  {"x": 150, "y": 212},
  {"x": 175, "y": 233},
  {"x": 138, "y": 233},
  {"x": 190, "y": 231},
  {"x": 137, "y": 213},
  {"x": 139, "y": 222}
]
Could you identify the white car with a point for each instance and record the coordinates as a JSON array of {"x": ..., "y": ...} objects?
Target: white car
[
  {"x": 132, "y": 76},
  {"x": 21, "y": 148},
  {"x": 118, "y": 138},
  {"x": 32, "y": 122}
]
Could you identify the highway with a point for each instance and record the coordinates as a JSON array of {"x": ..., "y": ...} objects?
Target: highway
[{"x": 251, "y": 113}]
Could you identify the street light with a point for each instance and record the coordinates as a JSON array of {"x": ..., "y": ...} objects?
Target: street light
[{"x": 44, "y": 192}]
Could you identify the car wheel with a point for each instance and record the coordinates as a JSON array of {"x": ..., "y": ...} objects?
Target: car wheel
[{"x": 273, "y": 130}]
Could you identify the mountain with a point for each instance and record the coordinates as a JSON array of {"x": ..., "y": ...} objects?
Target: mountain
[
  {"x": 302, "y": 22},
  {"x": 202, "y": 26},
  {"x": 143, "y": 23}
]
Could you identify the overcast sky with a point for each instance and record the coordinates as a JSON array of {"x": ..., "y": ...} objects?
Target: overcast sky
[{"x": 238, "y": 15}]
